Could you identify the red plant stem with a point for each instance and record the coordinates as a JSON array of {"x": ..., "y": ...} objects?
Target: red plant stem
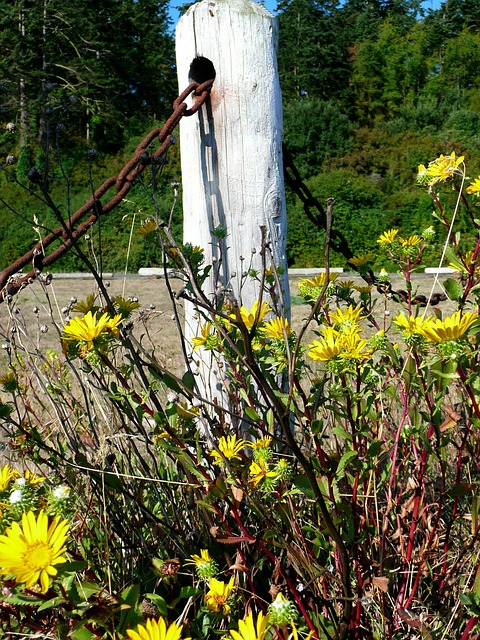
[
  {"x": 469, "y": 627},
  {"x": 417, "y": 496},
  {"x": 448, "y": 528},
  {"x": 275, "y": 561},
  {"x": 469, "y": 391}
]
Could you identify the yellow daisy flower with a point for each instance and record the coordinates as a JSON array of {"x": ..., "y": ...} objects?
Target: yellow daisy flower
[
  {"x": 452, "y": 328},
  {"x": 350, "y": 346},
  {"x": 277, "y": 329},
  {"x": 205, "y": 333},
  {"x": 412, "y": 241},
  {"x": 205, "y": 565},
  {"x": 249, "y": 317},
  {"x": 264, "y": 443},
  {"x": 90, "y": 327},
  {"x": 466, "y": 264},
  {"x": 363, "y": 289},
  {"x": 258, "y": 471},
  {"x": 203, "y": 558},
  {"x": 346, "y": 284},
  {"x": 411, "y": 325},
  {"x": 387, "y": 237},
  {"x": 248, "y": 629},
  {"x": 29, "y": 552},
  {"x": 32, "y": 478},
  {"x": 156, "y": 630},
  {"x": 327, "y": 348},
  {"x": 6, "y": 475},
  {"x": 230, "y": 447},
  {"x": 474, "y": 186},
  {"x": 443, "y": 168},
  {"x": 349, "y": 316},
  {"x": 360, "y": 261},
  {"x": 216, "y": 598},
  {"x": 318, "y": 281}
]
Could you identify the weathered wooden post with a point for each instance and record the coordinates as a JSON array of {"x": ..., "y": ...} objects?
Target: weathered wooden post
[{"x": 231, "y": 151}]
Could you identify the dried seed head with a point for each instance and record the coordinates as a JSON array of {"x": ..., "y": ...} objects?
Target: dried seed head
[{"x": 35, "y": 175}]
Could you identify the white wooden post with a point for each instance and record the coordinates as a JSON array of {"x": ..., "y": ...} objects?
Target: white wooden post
[{"x": 231, "y": 155}]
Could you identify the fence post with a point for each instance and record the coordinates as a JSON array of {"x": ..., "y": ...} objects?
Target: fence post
[{"x": 231, "y": 152}]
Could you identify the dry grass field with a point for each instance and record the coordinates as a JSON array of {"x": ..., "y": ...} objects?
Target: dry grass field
[{"x": 38, "y": 312}]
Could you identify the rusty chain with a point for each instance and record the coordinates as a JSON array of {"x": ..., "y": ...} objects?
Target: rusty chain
[
  {"x": 316, "y": 214},
  {"x": 12, "y": 279}
]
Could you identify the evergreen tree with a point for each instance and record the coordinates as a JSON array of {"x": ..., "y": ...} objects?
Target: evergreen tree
[
  {"x": 312, "y": 58},
  {"x": 98, "y": 65}
]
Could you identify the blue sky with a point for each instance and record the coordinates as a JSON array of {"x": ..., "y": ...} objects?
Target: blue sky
[{"x": 272, "y": 5}]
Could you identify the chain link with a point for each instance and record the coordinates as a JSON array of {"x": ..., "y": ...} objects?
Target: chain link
[
  {"x": 77, "y": 225},
  {"x": 316, "y": 214}
]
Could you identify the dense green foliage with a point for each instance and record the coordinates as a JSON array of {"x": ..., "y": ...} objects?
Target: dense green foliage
[{"x": 370, "y": 89}]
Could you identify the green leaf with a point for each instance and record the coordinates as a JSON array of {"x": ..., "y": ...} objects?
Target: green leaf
[
  {"x": 188, "y": 380},
  {"x": 345, "y": 459},
  {"x": 129, "y": 616},
  {"x": 50, "y": 604},
  {"x": 302, "y": 483},
  {"x": 159, "y": 602},
  {"x": 81, "y": 634},
  {"x": 374, "y": 448},
  {"x": 252, "y": 414},
  {"x": 341, "y": 433},
  {"x": 454, "y": 289}
]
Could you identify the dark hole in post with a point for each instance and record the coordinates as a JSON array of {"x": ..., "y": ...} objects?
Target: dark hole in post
[{"x": 201, "y": 70}]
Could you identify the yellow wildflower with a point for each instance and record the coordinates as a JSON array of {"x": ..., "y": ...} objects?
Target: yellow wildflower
[
  {"x": 277, "y": 329},
  {"x": 474, "y": 186},
  {"x": 250, "y": 630},
  {"x": 411, "y": 325},
  {"x": 349, "y": 316},
  {"x": 465, "y": 264},
  {"x": 216, "y": 598},
  {"x": 6, "y": 475},
  {"x": 363, "y": 289},
  {"x": 264, "y": 443},
  {"x": 350, "y": 346},
  {"x": 443, "y": 168},
  {"x": 412, "y": 241},
  {"x": 452, "y": 328},
  {"x": 362, "y": 260},
  {"x": 203, "y": 558},
  {"x": 346, "y": 284},
  {"x": 205, "y": 565},
  {"x": 205, "y": 334},
  {"x": 249, "y": 317},
  {"x": 259, "y": 471},
  {"x": 230, "y": 447},
  {"x": 319, "y": 280},
  {"x": 327, "y": 348},
  {"x": 156, "y": 630},
  {"x": 387, "y": 237},
  {"x": 32, "y": 478},
  {"x": 90, "y": 327},
  {"x": 29, "y": 552}
]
